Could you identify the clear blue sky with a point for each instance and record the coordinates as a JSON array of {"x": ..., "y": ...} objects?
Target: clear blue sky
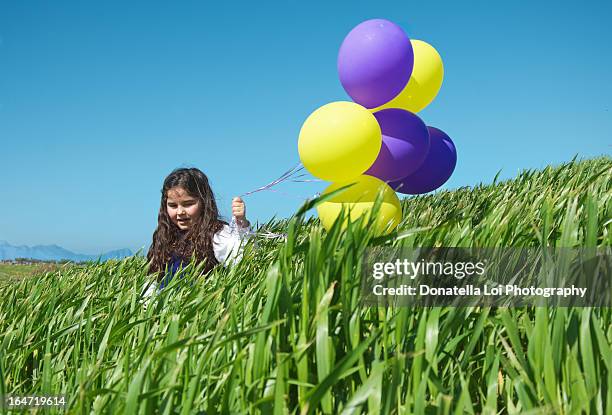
[{"x": 99, "y": 101}]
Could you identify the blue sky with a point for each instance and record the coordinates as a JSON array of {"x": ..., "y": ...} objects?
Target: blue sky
[{"x": 99, "y": 101}]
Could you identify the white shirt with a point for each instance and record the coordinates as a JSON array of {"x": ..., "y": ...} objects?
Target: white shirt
[{"x": 228, "y": 245}]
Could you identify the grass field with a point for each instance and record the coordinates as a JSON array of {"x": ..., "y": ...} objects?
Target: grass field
[
  {"x": 12, "y": 272},
  {"x": 284, "y": 331}
]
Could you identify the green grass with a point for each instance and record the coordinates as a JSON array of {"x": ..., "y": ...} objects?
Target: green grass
[
  {"x": 284, "y": 331},
  {"x": 12, "y": 272}
]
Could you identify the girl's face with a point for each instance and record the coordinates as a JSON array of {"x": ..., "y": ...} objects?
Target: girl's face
[{"x": 182, "y": 208}]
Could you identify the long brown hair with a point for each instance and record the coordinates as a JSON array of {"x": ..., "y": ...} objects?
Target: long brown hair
[{"x": 169, "y": 240}]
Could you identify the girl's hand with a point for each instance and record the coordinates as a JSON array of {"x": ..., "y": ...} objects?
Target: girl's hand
[{"x": 239, "y": 212}]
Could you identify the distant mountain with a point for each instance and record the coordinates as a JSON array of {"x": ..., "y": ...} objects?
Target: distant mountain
[{"x": 55, "y": 252}]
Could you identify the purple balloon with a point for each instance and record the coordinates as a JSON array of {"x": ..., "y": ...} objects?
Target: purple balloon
[
  {"x": 435, "y": 170},
  {"x": 375, "y": 62},
  {"x": 405, "y": 144}
]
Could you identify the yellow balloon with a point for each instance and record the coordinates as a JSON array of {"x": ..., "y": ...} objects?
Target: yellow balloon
[
  {"x": 424, "y": 83},
  {"x": 359, "y": 200},
  {"x": 339, "y": 141}
]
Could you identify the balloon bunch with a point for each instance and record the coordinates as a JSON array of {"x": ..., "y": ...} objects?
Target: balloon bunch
[{"x": 378, "y": 142}]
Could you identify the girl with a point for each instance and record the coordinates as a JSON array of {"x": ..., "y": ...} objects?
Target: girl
[{"x": 188, "y": 223}]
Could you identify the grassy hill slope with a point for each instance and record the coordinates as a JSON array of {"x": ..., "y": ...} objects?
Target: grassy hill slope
[{"x": 284, "y": 331}]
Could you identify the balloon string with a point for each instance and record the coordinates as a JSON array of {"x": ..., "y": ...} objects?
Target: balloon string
[
  {"x": 289, "y": 174},
  {"x": 285, "y": 176},
  {"x": 297, "y": 168},
  {"x": 298, "y": 179}
]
